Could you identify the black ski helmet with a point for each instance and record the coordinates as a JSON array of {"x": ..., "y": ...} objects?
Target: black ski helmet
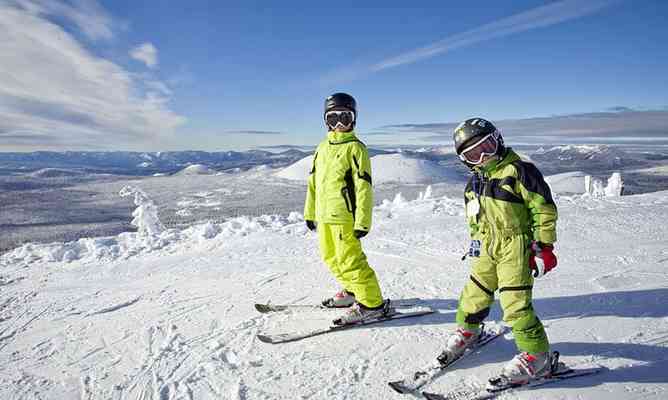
[
  {"x": 474, "y": 129},
  {"x": 340, "y": 100}
]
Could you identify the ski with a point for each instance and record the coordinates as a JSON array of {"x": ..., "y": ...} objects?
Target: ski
[
  {"x": 492, "y": 391},
  {"x": 294, "y": 336},
  {"x": 436, "y": 368},
  {"x": 268, "y": 307}
]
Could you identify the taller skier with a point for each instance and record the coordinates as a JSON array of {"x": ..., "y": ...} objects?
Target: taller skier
[
  {"x": 512, "y": 222},
  {"x": 339, "y": 204}
]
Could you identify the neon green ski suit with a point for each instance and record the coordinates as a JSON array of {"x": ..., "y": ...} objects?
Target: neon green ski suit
[
  {"x": 340, "y": 199},
  {"x": 508, "y": 204}
]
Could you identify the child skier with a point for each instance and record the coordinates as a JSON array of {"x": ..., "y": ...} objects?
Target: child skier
[
  {"x": 512, "y": 221},
  {"x": 340, "y": 200}
]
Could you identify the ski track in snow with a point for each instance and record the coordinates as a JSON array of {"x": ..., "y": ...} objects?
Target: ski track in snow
[{"x": 180, "y": 324}]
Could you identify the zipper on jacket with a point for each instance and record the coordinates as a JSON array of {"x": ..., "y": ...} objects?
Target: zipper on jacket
[{"x": 483, "y": 182}]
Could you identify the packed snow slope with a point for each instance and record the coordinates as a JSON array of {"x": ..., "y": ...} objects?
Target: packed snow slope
[{"x": 171, "y": 316}]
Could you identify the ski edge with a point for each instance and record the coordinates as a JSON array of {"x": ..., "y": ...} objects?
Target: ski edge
[
  {"x": 287, "y": 337},
  {"x": 486, "y": 394},
  {"x": 269, "y": 308}
]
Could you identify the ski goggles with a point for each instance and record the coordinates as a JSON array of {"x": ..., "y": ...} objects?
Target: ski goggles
[
  {"x": 339, "y": 119},
  {"x": 487, "y": 146}
]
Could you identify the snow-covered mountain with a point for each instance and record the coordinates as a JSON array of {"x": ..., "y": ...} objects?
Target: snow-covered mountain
[
  {"x": 55, "y": 173},
  {"x": 592, "y": 157},
  {"x": 400, "y": 168},
  {"x": 196, "y": 169},
  {"x": 170, "y": 315},
  {"x": 142, "y": 163}
]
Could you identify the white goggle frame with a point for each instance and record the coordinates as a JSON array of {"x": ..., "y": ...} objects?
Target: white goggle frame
[
  {"x": 338, "y": 123},
  {"x": 494, "y": 135}
]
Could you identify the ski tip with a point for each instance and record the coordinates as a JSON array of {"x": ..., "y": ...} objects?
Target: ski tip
[
  {"x": 398, "y": 387},
  {"x": 433, "y": 396},
  {"x": 264, "y": 339},
  {"x": 263, "y": 308}
]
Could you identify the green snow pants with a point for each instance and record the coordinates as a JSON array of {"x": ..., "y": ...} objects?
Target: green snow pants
[
  {"x": 342, "y": 252},
  {"x": 506, "y": 269}
]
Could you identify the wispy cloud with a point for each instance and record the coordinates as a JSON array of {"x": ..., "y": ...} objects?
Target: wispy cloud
[
  {"x": 428, "y": 127},
  {"x": 620, "y": 109},
  {"x": 253, "y": 132},
  {"x": 146, "y": 53},
  {"x": 381, "y": 133},
  {"x": 87, "y": 15},
  {"x": 538, "y": 17},
  {"x": 624, "y": 122},
  {"x": 51, "y": 86}
]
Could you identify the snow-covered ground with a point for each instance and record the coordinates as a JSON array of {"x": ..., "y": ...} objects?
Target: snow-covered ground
[{"x": 171, "y": 316}]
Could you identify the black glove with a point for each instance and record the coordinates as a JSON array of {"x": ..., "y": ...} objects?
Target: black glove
[
  {"x": 360, "y": 234},
  {"x": 310, "y": 225}
]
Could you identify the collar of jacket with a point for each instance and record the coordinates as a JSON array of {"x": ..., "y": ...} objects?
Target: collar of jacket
[
  {"x": 341, "y": 137},
  {"x": 508, "y": 157}
]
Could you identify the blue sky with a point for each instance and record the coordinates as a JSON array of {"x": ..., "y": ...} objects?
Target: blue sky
[{"x": 212, "y": 75}]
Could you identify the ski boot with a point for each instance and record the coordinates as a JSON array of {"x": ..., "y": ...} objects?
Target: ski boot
[
  {"x": 359, "y": 313},
  {"x": 341, "y": 299},
  {"x": 525, "y": 368},
  {"x": 457, "y": 343}
]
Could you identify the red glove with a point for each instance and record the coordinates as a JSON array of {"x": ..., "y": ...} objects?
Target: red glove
[{"x": 542, "y": 259}]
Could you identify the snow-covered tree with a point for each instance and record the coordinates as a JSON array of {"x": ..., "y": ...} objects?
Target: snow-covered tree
[{"x": 146, "y": 214}]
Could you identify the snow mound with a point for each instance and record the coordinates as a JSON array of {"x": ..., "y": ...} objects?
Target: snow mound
[
  {"x": 55, "y": 173},
  {"x": 567, "y": 183},
  {"x": 131, "y": 244},
  {"x": 298, "y": 171},
  {"x": 196, "y": 169},
  {"x": 386, "y": 168},
  {"x": 399, "y": 168},
  {"x": 389, "y": 210}
]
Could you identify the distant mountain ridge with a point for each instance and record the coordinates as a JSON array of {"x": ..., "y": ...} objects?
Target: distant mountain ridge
[{"x": 142, "y": 163}]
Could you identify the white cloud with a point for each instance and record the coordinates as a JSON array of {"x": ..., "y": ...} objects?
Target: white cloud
[
  {"x": 146, "y": 53},
  {"x": 55, "y": 92},
  {"x": 88, "y": 16},
  {"x": 538, "y": 17}
]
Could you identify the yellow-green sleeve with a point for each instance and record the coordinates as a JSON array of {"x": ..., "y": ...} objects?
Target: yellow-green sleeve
[
  {"x": 309, "y": 204},
  {"x": 361, "y": 166},
  {"x": 538, "y": 198}
]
